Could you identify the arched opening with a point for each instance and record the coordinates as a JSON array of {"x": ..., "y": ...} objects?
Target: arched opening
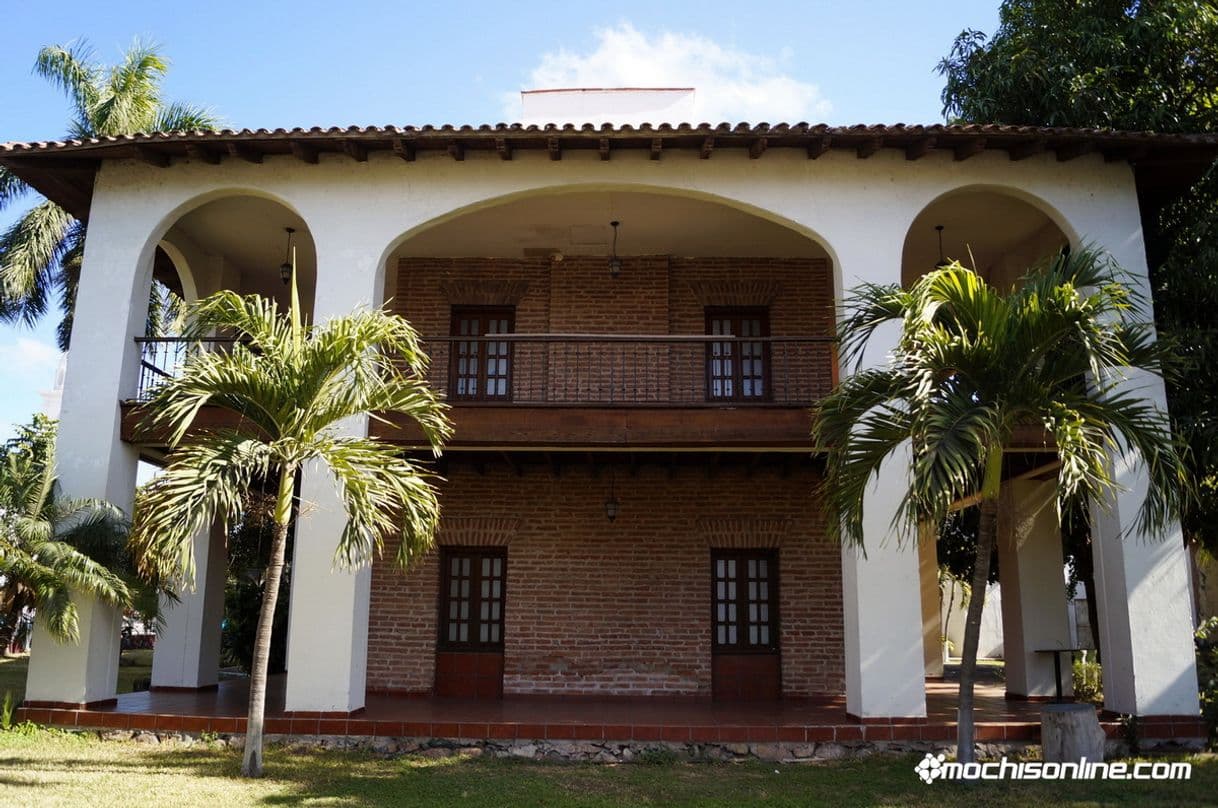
[
  {"x": 994, "y": 231},
  {"x": 1002, "y": 234},
  {"x": 237, "y": 242},
  {"x": 638, "y": 386}
]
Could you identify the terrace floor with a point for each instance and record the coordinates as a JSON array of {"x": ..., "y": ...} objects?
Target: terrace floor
[{"x": 532, "y": 717}]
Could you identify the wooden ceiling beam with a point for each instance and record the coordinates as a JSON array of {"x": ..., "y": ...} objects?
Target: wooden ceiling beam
[
  {"x": 657, "y": 145},
  {"x": 1127, "y": 154},
  {"x": 504, "y": 148},
  {"x": 869, "y": 147},
  {"x": 304, "y": 152},
  {"x": 202, "y": 155},
  {"x": 919, "y": 148},
  {"x": 404, "y": 149},
  {"x": 1022, "y": 151},
  {"x": 968, "y": 148},
  {"x": 244, "y": 152},
  {"x": 757, "y": 148},
  {"x": 1071, "y": 151},
  {"x": 602, "y": 147},
  {"x": 708, "y": 146},
  {"x": 153, "y": 157},
  {"x": 554, "y": 148},
  {"x": 356, "y": 151},
  {"x": 457, "y": 151},
  {"x": 818, "y": 146}
]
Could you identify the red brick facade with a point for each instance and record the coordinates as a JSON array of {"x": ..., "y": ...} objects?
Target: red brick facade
[{"x": 620, "y": 608}]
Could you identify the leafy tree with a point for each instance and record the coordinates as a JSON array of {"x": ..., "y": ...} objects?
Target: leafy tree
[
  {"x": 1119, "y": 64},
  {"x": 970, "y": 366},
  {"x": 51, "y": 546},
  {"x": 40, "y": 253},
  {"x": 292, "y": 386}
]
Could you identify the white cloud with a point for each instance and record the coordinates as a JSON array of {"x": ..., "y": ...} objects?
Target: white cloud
[
  {"x": 28, "y": 356},
  {"x": 732, "y": 85}
]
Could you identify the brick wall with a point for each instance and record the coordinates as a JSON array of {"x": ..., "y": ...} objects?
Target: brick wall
[
  {"x": 618, "y": 608},
  {"x": 652, "y": 295}
]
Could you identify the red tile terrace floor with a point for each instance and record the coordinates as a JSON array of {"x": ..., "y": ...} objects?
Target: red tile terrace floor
[{"x": 536, "y": 718}]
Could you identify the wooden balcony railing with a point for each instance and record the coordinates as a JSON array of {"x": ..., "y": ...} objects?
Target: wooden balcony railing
[{"x": 573, "y": 370}]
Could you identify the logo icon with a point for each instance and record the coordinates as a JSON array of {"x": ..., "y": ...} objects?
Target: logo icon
[{"x": 930, "y": 767}]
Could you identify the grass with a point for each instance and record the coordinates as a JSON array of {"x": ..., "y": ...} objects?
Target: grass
[
  {"x": 132, "y": 666},
  {"x": 49, "y": 768}
]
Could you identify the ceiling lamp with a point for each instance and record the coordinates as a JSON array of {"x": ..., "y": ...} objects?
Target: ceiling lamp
[
  {"x": 289, "y": 259},
  {"x": 611, "y": 501},
  {"x": 615, "y": 263},
  {"x": 943, "y": 262}
]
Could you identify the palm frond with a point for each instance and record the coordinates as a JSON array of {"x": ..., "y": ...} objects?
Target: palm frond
[
  {"x": 206, "y": 479},
  {"x": 131, "y": 96},
  {"x": 181, "y": 117},
  {"x": 30, "y": 250},
  {"x": 70, "y": 68},
  {"x": 11, "y": 187},
  {"x": 383, "y": 494}
]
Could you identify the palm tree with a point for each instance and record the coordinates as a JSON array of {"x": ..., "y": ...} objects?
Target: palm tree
[
  {"x": 292, "y": 386},
  {"x": 40, "y": 253},
  {"x": 51, "y": 546},
  {"x": 971, "y": 365}
]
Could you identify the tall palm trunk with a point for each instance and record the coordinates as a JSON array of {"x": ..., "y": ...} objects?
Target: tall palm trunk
[
  {"x": 251, "y": 766},
  {"x": 987, "y": 537}
]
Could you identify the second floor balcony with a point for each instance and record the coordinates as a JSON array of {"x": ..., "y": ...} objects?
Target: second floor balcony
[{"x": 568, "y": 390}]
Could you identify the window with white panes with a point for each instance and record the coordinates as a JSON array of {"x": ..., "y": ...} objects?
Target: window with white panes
[
  {"x": 739, "y": 369},
  {"x": 480, "y": 367},
  {"x": 744, "y": 600},
  {"x": 472, "y": 598}
]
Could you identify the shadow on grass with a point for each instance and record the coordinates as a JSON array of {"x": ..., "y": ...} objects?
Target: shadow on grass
[{"x": 357, "y": 778}]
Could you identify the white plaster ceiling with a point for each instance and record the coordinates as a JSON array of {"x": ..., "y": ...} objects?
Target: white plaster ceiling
[
  {"x": 981, "y": 229},
  {"x": 578, "y": 224}
]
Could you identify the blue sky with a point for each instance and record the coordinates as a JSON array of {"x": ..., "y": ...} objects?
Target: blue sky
[{"x": 304, "y": 63}]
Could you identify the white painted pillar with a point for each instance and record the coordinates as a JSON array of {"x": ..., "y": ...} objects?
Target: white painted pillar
[
  {"x": 92, "y": 460},
  {"x": 187, "y": 651},
  {"x": 1034, "y": 611},
  {"x": 1144, "y": 598},
  {"x": 328, "y": 619},
  {"x": 885, "y": 668},
  {"x": 932, "y": 620}
]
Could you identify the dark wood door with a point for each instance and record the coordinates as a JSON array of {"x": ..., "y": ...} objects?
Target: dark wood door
[
  {"x": 469, "y": 648},
  {"x": 746, "y": 663}
]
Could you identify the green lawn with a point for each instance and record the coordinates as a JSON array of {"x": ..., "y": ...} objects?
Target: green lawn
[
  {"x": 133, "y": 666},
  {"x": 59, "y": 769}
]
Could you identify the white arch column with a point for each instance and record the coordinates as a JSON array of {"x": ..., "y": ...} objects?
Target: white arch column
[
  {"x": 92, "y": 460},
  {"x": 327, "y": 649},
  {"x": 187, "y": 653},
  {"x": 1144, "y": 596},
  {"x": 1030, "y": 565},
  {"x": 881, "y": 582}
]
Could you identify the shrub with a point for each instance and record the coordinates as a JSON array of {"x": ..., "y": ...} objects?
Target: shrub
[
  {"x": 1088, "y": 679},
  {"x": 1207, "y": 673}
]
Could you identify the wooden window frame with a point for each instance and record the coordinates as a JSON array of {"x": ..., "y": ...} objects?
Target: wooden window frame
[
  {"x": 460, "y": 313},
  {"x": 737, "y": 313},
  {"x": 447, "y": 554},
  {"x": 742, "y": 556}
]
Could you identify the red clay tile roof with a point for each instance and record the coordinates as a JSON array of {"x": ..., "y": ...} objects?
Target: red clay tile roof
[{"x": 63, "y": 170}]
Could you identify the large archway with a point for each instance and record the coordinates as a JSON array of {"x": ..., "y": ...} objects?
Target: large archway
[{"x": 997, "y": 232}]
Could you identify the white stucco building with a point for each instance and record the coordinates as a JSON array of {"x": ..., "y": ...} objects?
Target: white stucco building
[{"x": 371, "y": 206}]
